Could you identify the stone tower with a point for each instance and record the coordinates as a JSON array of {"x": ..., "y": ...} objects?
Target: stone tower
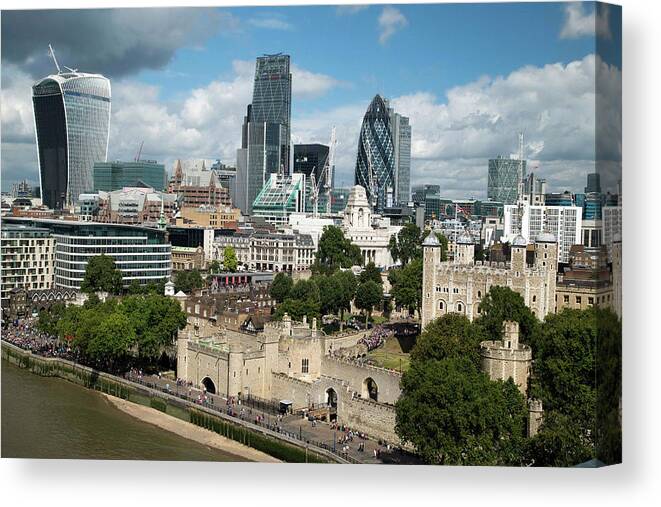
[
  {"x": 535, "y": 417},
  {"x": 518, "y": 254},
  {"x": 546, "y": 260},
  {"x": 507, "y": 358},
  {"x": 431, "y": 257},
  {"x": 465, "y": 252}
]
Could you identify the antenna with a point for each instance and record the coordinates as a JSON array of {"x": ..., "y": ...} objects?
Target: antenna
[{"x": 51, "y": 53}]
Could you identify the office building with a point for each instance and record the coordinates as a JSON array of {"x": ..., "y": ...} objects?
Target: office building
[
  {"x": 196, "y": 185},
  {"x": 504, "y": 179},
  {"x": 565, "y": 222},
  {"x": 375, "y": 162},
  {"x": 27, "y": 254},
  {"x": 586, "y": 282},
  {"x": 109, "y": 176},
  {"x": 611, "y": 222},
  {"x": 561, "y": 199},
  {"x": 226, "y": 175},
  {"x": 72, "y": 125},
  {"x": 265, "y": 135},
  {"x": 310, "y": 159},
  {"x": 140, "y": 253},
  {"x": 279, "y": 197},
  {"x": 401, "y": 138}
]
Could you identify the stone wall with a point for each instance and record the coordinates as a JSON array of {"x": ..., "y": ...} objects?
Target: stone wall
[
  {"x": 355, "y": 375},
  {"x": 375, "y": 419}
]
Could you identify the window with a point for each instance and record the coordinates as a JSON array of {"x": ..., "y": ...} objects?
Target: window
[
  {"x": 534, "y": 299},
  {"x": 305, "y": 365},
  {"x": 460, "y": 307},
  {"x": 441, "y": 305},
  {"x": 590, "y": 301},
  {"x": 566, "y": 299},
  {"x": 578, "y": 300},
  {"x": 479, "y": 294}
]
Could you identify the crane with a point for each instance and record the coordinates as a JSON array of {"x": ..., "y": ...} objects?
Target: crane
[{"x": 137, "y": 157}]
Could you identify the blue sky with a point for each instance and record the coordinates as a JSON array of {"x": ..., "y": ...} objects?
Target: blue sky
[{"x": 468, "y": 75}]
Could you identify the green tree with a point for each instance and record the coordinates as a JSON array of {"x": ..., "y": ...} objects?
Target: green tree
[
  {"x": 406, "y": 245},
  {"x": 297, "y": 308},
  {"x": 214, "y": 267},
  {"x": 501, "y": 304},
  {"x": 370, "y": 272},
  {"x": 560, "y": 443},
  {"x": 304, "y": 290},
  {"x": 406, "y": 285},
  {"x": 229, "y": 259},
  {"x": 346, "y": 283},
  {"x": 102, "y": 275},
  {"x": 135, "y": 288},
  {"x": 335, "y": 252},
  {"x": 451, "y": 335},
  {"x": 110, "y": 341},
  {"x": 281, "y": 287},
  {"x": 187, "y": 281},
  {"x": 453, "y": 414},
  {"x": 368, "y": 295},
  {"x": 47, "y": 319}
]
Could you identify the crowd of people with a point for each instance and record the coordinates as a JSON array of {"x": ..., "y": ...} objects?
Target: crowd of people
[
  {"x": 376, "y": 338},
  {"x": 24, "y": 334}
]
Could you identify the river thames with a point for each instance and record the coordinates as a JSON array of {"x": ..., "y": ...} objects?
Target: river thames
[{"x": 46, "y": 417}]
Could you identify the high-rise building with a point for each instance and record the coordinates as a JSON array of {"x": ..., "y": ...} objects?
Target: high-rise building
[
  {"x": 110, "y": 176},
  {"x": 401, "y": 138},
  {"x": 72, "y": 124},
  {"x": 310, "y": 158},
  {"x": 375, "y": 163},
  {"x": 265, "y": 135},
  {"x": 505, "y": 177}
]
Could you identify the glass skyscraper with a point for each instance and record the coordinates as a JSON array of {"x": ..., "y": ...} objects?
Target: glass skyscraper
[
  {"x": 505, "y": 175},
  {"x": 375, "y": 163},
  {"x": 72, "y": 123},
  {"x": 265, "y": 136},
  {"x": 109, "y": 176},
  {"x": 401, "y": 137}
]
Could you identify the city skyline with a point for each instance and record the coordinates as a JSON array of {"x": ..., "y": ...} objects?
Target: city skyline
[{"x": 465, "y": 100}]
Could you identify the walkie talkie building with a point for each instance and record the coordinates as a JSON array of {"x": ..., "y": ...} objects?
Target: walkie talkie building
[
  {"x": 375, "y": 163},
  {"x": 72, "y": 124}
]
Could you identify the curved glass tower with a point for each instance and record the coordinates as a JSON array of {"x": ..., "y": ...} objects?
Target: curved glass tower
[
  {"x": 72, "y": 125},
  {"x": 375, "y": 163}
]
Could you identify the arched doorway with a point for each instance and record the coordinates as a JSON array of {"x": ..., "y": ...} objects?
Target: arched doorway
[
  {"x": 209, "y": 385},
  {"x": 331, "y": 397},
  {"x": 370, "y": 389}
]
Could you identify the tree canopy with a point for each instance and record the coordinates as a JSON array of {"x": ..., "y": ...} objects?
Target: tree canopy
[
  {"x": 101, "y": 274},
  {"x": 281, "y": 287},
  {"x": 335, "y": 252},
  {"x": 453, "y": 414},
  {"x": 368, "y": 295},
  {"x": 186, "y": 281},
  {"x": 501, "y": 304},
  {"x": 370, "y": 272},
  {"x": 229, "y": 259},
  {"x": 406, "y": 245},
  {"x": 406, "y": 285},
  {"x": 451, "y": 335}
]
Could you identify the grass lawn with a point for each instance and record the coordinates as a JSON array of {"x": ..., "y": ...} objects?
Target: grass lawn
[{"x": 390, "y": 355}]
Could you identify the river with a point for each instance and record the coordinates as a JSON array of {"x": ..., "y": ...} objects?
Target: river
[{"x": 46, "y": 417}]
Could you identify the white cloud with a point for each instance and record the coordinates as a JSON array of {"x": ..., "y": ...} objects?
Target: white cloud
[
  {"x": 453, "y": 135},
  {"x": 271, "y": 22},
  {"x": 391, "y": 20},
  {"x": 349, "y": 10},
  {"x": 581, "y": 23}
]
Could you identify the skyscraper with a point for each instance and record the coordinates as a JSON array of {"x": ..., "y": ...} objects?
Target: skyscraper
[
  {"x": 401, "y": 138},
  {"x": 72, "y": 123},
  {"x": 265, "y": 135},
  {"x": 375, "y": 163},
  {"x": 505, "y": 176}
]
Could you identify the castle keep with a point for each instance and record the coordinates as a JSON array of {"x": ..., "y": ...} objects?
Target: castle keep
[{"x": 460, "y": 284}]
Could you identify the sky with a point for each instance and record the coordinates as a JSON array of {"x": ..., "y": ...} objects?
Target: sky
[{"x": 469, "y": 76}]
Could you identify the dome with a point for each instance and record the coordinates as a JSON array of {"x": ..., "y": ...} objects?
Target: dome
[
  {"x": 520, "y": 241},
  {"x": 545, "y": 237},
  {"x": 465, "y": 239},
  {"x": 431, "y": 240}
]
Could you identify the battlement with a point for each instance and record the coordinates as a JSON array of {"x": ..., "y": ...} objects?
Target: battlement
[
  {"x": 358, "y": 364},
  {"x": 497, "y": 349}
]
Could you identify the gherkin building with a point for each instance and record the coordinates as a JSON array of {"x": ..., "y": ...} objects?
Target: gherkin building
[{"x": 375, "y": 163}]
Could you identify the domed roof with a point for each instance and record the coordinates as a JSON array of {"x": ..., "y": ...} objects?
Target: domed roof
[
  {"x": 520, "y": 241},
  {"x": 431, "y": 240},
  {"x": 545, "y": 237},
  {"x": 465, "y": 239}
]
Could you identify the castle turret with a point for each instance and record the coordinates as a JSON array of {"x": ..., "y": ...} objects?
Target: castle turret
[
  {"x": 431, "y": 258},
  {"x": 535, "y": 417},
  {"x": 507, "y": 358},
  {"x": 465, "y": 251},
  {"x": 518, "y": 254}
]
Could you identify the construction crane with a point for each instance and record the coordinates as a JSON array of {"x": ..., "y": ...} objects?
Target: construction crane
[
  {"x": 51, "y": 53},
  {"x": 137, "y": 157},
  {"x": 325, "y": 179}
]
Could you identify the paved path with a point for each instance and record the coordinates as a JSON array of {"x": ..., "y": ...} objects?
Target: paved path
[{"x": 293, "y": 425}]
